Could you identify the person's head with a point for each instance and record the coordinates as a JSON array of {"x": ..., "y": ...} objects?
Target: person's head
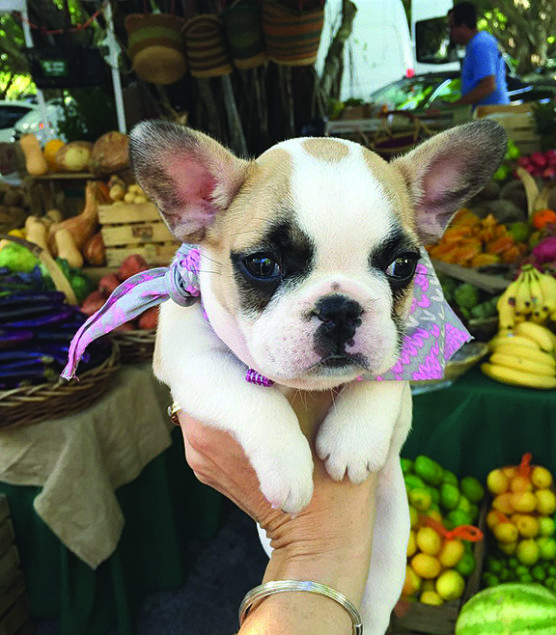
[{"x": 462, "y": 22}]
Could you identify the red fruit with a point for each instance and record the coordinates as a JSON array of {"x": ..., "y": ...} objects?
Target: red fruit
[
  {"x": 132, "y": 265},
  {"x": 524, "y": 162},
  {"x": 549, "y": 173},
  {"x": 149, "y": 319},
  {"x": 550, "y": 157},
  {"x": 108, "y": 283},
  {"x": 92, "y": 303},
  {"x": 539, "y": 159}
]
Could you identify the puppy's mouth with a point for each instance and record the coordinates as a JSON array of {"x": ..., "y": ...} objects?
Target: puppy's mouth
[{"x": 339, "y": 363}]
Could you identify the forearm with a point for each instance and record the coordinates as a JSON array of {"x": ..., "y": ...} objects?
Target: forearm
[
  {"x": 343, "y": 567},
  {"x": 483, "y": 89}
]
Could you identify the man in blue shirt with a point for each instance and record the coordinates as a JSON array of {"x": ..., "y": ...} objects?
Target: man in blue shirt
[{"x": 483, "y": 73}]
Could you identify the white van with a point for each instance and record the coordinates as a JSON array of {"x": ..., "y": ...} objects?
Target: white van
[
  {"x": 428, "y": 21},
  {"x": 378, "y": 51}
]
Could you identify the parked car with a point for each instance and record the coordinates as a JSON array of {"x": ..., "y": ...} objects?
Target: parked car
[
  {"x": 10, "y": 113},
  {"x": 33, "y": 122},
  {"x": 419, "y": 93}
]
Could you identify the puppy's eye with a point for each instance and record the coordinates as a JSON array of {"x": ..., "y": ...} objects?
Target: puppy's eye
[
  {"x": 403, "y": 267},
  {"x": 262, "y": 266}
]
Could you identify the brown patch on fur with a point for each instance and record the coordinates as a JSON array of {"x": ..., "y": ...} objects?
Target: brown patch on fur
[
  {"x": 329, "y": 150},
  {"x": 265, "y": 190},
  {"x": 394, "y": 186}
]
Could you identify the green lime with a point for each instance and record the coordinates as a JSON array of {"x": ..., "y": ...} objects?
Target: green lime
[
  {"x": 412, "y": 481},
  {"x": 472, "y": 489},
  {"x": 550, "y": 583},
  {"x": 449, "y": 496},
  {"x": 457, "y": 517},
  {"x": 467, "y": 565},
  {"x": 504, "y": 575},
  {"x": 428, "y": 469},
  {"x": 552, "y": 571},
  {"x": 521, "y": 570},
  {"x": 526, "y": 578},
  {"x": 493, "y": 565},
  {"x": 513, "y": 562},
  {"x": 464, "y": 505},
  {"x": 420, "y": 498},
  {"x": 520, "y": 231},
  {"x": 490, "y": 579},
  {"x": 450, "y": 477},
  {"x": 435, "y": 495},
  {"x": 407, "y": 465},
  {"x": 538, "y": 573}
]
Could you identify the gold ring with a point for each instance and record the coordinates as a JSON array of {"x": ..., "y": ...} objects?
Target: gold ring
[{"x": 173, "y": 413}]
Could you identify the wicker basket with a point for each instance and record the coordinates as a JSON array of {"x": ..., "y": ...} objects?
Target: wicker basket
[
  {"x": 206, "y": 47},
  {"x": 33, "y": 404},
  {"x": 135, "y": 347},
  {"x": 389, "y": 143}
]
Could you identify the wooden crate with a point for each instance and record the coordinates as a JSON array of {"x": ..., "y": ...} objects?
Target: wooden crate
[
  {"x": 14, "y": 603},
  {"x": 518, "y": 121},
  {"x": 129, "y": 229},
  {"x": 422, "y": 619}
]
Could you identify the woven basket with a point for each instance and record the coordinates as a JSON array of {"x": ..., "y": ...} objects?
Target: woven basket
[
  {"x": 292, "y": 37},
  {"x": 33, "y": 404},
  {"x": 135, "y": 347},
  {"x": 244, "y": 32},
  {"x": 206, "y": 47},
  {"x": 156, "y": 47}
]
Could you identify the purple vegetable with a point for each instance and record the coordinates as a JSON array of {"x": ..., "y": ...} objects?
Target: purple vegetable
[
  {"x": 32, "y": 297},
  {"x": 50, "y": 318},
  {"x": 545, "y": 251},
  {"x": 10, "y": 339},
  {"x": 13, "y": 312}
]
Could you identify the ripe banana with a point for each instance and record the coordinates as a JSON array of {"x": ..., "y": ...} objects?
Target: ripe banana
[
  {"x": 538, "y": 333},
  {"x": 524, "y": 352},
  {"x": 517, "y": 340},
  {"x": 539, "y": 314},
  {"x": 523, "y": 364},
  {"x": 515, "y": 377},
  {"x": 547, "y": 285},
  {"x": 523, "y": 301},
  {"x": 506, "y": 306}
]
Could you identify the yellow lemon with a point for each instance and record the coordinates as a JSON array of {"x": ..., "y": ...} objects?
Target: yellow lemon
[
  {"x": 505, "y": 532},
  {"x": 425, "y": 566},
  {"x": 510, "y": 471},
  {"x": 451, "y": 553},
  {"x": 450, "y": 585},
  {"x": 541, "y": 477},
  {"x": 412, "y": 582},
  {"x": 434, "y": 514},
  {"x": 520, "y": 484},
  {"x": 523, "y": 502},
  {"x": 507, "y": 547},
  {"x": 527, "y": 552},
  {"x": 428, "y": 541},
  {"x": 503, "y": 503},
  {"x": 492, "y": 519},
  {"x": 497, "y": 482},
  {"x": 413, "y": 516},
  {"x": 528, "y": 526},
  {"x": 431, "y": 598},
  {"x": 427, "y": 585},
  {"x": 546, "y": 502},
  {"x": 412, "y": 544}
]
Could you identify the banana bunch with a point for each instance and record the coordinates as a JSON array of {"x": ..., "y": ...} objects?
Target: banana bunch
[
  {"x": 531, "y": 297},
  {"x": 523, "y": 357}
]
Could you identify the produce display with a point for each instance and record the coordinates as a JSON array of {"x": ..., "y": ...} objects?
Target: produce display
[
  {"x": 521, "y": 525},
  {"x": 442, "y": 511},
  {"x": 93, "y": 302},
  {"x": 36, "y": 327}
]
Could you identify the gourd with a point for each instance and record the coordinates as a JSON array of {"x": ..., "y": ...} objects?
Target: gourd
[
  {"x": 74, "y": 156},
  {"x": 51, "y": 150},
  {"x": 36, "y": 232},
  {"x": 83, "y": 226},
  {"x": 65, "y": 245},
  {"x": 35, "y": 163},
  {"x": 516, "y": 608},
  {"x": 95, "y": 251}
]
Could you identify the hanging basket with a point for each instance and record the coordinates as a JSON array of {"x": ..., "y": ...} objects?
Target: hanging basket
[
  {"x": 205, "y": 44},
  {"x": 292, "y": 36},
  {"x": 244, "y": 32},
  {"x": 156, "y": 47}
]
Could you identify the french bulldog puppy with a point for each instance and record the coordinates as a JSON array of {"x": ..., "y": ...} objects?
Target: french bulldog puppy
[{"x": 308, "y": 255}]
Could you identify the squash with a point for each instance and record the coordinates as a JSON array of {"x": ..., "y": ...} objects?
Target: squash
[
  {"x": 110, "y": 153},
  {"x": 51, "y": 150},
  {"x": 95, "y": 251},
  {"x": 54, "y": 215},
  {"x": 83, "y": 226},
  {"x": 36, "y": 232},
  {"x": 66, "y": 248},
  {"x": 35, "y": 163},
  {"x": 74, "y": 156}
]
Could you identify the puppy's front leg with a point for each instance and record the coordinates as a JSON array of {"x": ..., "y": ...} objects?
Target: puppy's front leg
[
  {"x": 355, "y": 436},
  {"x": 208, "y": 382}
]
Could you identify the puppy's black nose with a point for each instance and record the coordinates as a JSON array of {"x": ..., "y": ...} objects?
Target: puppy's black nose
[{"x": 340, "y": 318}]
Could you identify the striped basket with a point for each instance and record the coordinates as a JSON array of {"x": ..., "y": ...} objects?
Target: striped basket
[
  {"x": 156, "y": 47},
  {"x": 292, "y": 37},
  {"x": 206, "y": 47},
  {"x": 244, "y": 32}
]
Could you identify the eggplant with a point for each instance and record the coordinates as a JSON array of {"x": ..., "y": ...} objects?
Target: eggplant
[
  {"x": 12, "y": 376},
  {"x": 21, "y": 355},
  {"x": 54, "y": 317},
  {"x": 44, "y": 360},
  {"x": 32, "y": 297},
  {"x": 10, "y": 339},
  {"x": 11, "y": 313}
]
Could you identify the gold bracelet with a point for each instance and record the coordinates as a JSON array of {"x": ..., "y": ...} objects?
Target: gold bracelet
[{"x": 280, "y": 586}]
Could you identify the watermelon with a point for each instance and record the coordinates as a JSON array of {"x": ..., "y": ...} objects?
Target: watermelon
[{"x": 509, "y": 609}]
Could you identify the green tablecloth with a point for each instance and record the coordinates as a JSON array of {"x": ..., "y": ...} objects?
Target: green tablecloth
[
  {"x": 163, "y": 508},
  {"x": 479, "y": 424}
]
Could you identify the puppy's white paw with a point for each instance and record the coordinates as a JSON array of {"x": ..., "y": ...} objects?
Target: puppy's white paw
[
  {"x": 286, "y": 476},
  {"x": 351, "y": 448}
]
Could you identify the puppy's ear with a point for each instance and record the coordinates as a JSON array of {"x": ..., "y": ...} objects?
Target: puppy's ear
[
  {"x": 448, "y": 169},
  {"x": 189, "y": 176}
]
